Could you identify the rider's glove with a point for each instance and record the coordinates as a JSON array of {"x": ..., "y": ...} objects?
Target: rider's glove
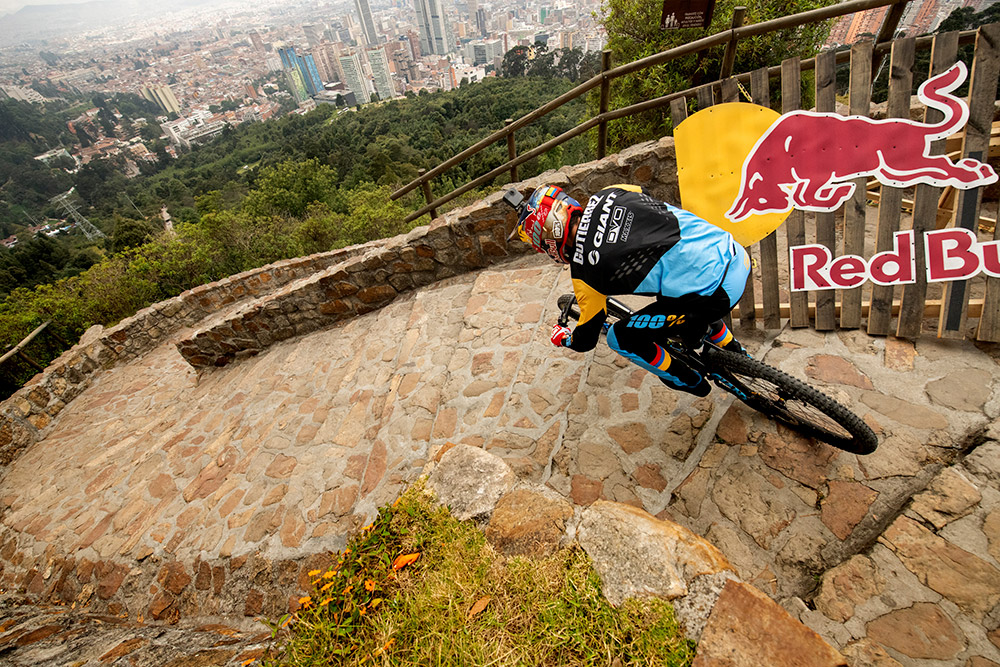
[{"x": 560, "y": 335}]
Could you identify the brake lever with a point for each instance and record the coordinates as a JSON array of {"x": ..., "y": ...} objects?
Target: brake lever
[{"x": 564, "y": 313}]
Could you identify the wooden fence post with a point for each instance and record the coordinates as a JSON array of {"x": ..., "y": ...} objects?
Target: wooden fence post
[
  {"x": 795, "y": 224},
  {"x": 891, "y": 199},
  {"x": 426, "y": 187},
  {"x": 855, "y": 209},
  {"x": 729, "y": 59},
  {"x": 826, "y": 223},
  {"x": 982, "y": 93},
  {"x": 768, "y": 247},
  {"x": 944, "y": 52},
  {"x": 602, "y": 128},
  {"x": 729, "y": 91},
  {"x": 511, "y": 150}
]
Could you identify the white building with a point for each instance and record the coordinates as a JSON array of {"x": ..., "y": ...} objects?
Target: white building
[
  {"x": 435, "y": 31},
  {"x": 354, "y": 77},
  {"x": 381, "y": 76}
]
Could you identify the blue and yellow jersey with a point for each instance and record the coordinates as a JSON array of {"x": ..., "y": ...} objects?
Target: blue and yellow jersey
[{"x": 630, "y": 243}]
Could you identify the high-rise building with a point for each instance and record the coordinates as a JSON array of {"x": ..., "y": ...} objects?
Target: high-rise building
[
  {"x": 256, "y": 41},
  {"x": 480, "y": 22},
  {"x": 435, "y": 33},
  {"x": 367, "y": 23},
  {"x": 310, "y": 74},
  {"x": 297, "y": 84},
  {"x": 314, "y": 34},
  {"x": 354, "y": 77},
  {"x": 381, "y": 77},
  {"x": 325, "y": 56},
  {"x": 305, "y": 65},
  {"x": 287, "y": 55},
  {"x": 164, "y": 98}
]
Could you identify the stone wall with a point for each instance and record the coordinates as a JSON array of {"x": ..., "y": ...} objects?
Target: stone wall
[
  {"x": 25, "y": 416},
  {"x": 297, "y": 296},
  {"x": 463, "y": 240}
]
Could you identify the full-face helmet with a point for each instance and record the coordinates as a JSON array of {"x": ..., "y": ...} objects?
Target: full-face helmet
[{"x": 545, "y": 219}]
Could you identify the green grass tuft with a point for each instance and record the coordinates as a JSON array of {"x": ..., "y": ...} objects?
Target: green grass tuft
[{"x": 461, "y": 603}]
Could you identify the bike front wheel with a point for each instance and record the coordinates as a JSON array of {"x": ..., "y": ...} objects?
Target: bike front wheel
[{"x": 790, "y": 401}]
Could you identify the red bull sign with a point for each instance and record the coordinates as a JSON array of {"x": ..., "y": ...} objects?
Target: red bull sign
[
  {"x": 808, "y": 160},
  {"x": 744, "y": 168},
  {"x": 950, "y": 254}
]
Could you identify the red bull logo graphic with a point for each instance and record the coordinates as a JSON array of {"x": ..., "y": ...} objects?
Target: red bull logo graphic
[{"x": 808, "y": 160}]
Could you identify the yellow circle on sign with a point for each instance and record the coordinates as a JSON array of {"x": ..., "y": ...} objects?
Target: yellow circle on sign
[{"x": 711, "y": 146}]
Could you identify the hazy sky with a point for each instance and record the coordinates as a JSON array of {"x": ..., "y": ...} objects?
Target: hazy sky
[{"x": 8, "y": 6}]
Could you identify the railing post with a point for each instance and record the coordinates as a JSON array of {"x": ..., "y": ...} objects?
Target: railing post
[
  {"x": 511, "y": 150},
  {"x": 602, "y": 129},
  {"x": 426, "y": 187},
  {"x": 729, "y": 59}
]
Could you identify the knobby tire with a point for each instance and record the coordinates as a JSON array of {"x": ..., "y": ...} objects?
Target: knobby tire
[{"x": 791, "y": 401}]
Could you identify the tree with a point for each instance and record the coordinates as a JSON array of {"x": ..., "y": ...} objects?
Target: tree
[
  {"x": 633, "y": 28},
  {"x": 129, "y": 233},
  {"x": 515, "y": 62}
]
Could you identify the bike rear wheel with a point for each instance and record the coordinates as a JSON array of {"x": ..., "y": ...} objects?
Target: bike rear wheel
[{"x": 790, "y": 401}]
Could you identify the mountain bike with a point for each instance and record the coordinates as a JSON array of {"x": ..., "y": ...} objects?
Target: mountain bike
[{"x": 764, "y": 388}]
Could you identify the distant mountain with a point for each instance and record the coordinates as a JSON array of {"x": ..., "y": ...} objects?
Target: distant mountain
[{"x": 34, "y": 22}]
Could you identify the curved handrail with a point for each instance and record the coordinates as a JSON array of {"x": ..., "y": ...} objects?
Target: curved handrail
[{"x": 730, "y": 36}]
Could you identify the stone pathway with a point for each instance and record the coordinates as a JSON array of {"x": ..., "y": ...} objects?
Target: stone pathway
[{"x": 168, "y": 496}]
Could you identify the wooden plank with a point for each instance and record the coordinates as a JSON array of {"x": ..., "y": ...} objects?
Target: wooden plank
[
  {"x": 989, "y": 321},
  {"x": 944, "y": 51},
  {"x": 761, "y": 95},
  {"x": 731, "y": 93},
  {"x": 826, "y": 223},
  {"x": 982, "y": 93},
  {"x": 705, "y": 96},
  {"x": 678, "y": 111},
  {"x": 931, "y": 309},
  {"x": 795, "y": 225},
  {"x": 854, "y": 211},
  {"x": 900, "y": 86}
]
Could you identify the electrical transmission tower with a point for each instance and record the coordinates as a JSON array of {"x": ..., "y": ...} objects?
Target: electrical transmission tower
[{"x": 88, "y": 228}]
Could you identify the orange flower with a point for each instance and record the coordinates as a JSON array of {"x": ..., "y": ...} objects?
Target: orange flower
[
  {"x": 403, "y": 561},
  {"x": 304, "y": 601},
  {"x": 348, "y": 590},
  {"x": 330, "y": 575},
  {"x": 313, "y": 573},
  {"x": 369, "y": 585},
  {"x": 326, "y": 587},
  {"x": 325, "y": 602}
]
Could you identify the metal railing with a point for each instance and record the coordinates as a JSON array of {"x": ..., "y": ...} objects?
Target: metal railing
[{"x": 729, "y": 38}]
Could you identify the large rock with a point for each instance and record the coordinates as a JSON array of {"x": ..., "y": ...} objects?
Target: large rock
[
  {"x": 528, "y": 522},
  {"x": 921, "y": 631},
  {"x": 470, "y": 481},
  {"x": 984, "y": 461},
  {"x": 851, "y": 583},
  {"x": 638, "y": 555},
  {"x": 967, "y": 389},
  {"x": 950, "y": 496},
  {"x": 748, "y": 629},
  {"x": 964, "y": 578}
]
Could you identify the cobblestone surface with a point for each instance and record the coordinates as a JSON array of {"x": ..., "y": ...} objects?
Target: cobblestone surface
[{"x": 170, "y": 495}]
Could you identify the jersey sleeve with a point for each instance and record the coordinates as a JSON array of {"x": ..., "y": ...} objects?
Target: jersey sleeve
[{"x": 593, "y": 313}]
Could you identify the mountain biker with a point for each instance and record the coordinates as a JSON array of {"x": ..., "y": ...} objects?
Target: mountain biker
[{"x": 627, "y": 242}]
